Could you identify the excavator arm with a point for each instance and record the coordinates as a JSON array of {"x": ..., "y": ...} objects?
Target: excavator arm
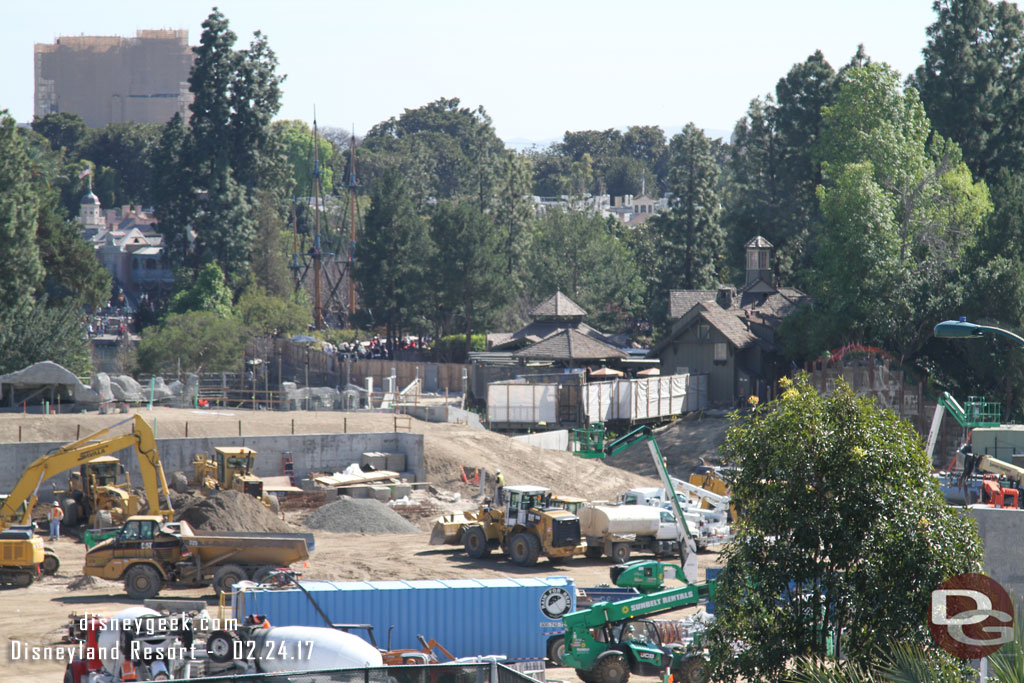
[{"x": 17, "y": 507}]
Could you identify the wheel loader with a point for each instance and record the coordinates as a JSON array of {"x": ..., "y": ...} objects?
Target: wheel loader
[{"x": 528, "y": 526}]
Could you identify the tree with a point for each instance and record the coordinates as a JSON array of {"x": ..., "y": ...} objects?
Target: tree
[
  {"x": 880, "y": 540},
  {"x": 22, "y": 271},
  {"x": 514, "y": 214},
  {"x": 972, "y": 81},
  {"x": 32, "y": 331},
  {"x": 297, "y": 141},
  {"x": 124, "y": 150},
  {"x": 588, "y": 258},
  {"x": 198, "y": 340},
  {"x": 209, "y": 292},
  {"x": 65, "y": 131},
  {"x": 690, "y": 236},
  {"x": 886, "y": 174},
  {"x": 265, "y": 314},
  {"x": 73, "y": 273},
  {"x": 469, "y": 268},
  {"x": 393, "y": 257}
]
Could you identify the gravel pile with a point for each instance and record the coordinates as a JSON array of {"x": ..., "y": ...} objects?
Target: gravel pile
[
  {"x": 359, "y": 516},
  {"x": 226, "y": 511}
]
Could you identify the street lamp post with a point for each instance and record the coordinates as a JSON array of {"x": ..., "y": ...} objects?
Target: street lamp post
[{"x": 961, "y": 329}]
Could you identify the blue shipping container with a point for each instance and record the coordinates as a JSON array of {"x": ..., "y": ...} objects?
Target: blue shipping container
[{"x": 515, "y": 617}]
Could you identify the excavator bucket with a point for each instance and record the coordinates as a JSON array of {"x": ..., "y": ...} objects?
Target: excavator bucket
[{"x": 448, "y": 529}]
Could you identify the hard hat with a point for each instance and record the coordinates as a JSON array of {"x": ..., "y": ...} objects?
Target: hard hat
[
  {"x": 497, "y": 471},
  {"x": 56, "y": 504}
]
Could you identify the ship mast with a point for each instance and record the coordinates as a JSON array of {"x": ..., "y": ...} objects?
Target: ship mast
[{"x": 318, "y": 310}]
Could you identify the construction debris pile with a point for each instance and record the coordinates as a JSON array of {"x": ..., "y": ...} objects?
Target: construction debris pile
[
  {"x": 227, "y": 511},
  {"x": 359, "y": 516}
]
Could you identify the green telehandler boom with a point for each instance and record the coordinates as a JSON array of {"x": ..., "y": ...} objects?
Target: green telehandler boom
[{"x": 608, "y": 641}]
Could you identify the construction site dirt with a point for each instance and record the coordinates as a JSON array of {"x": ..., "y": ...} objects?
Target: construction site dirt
[{"x": 38, "y": 615}]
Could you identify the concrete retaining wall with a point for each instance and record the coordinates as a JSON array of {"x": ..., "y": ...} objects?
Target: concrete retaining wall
[
  {"x": 444, "y": 414},
  {"x": 557, "y": 440},
  {"x": 1001, "y": 531},
  {"x": 310, "y": 453}
]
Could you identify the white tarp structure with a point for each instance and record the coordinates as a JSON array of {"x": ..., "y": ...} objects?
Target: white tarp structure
[
  {"x": 519, "y": 402},
  {"x": 639, "y": 399}
]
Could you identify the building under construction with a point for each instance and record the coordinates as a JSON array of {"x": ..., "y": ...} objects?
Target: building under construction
[{"x": 111, "y": 79}]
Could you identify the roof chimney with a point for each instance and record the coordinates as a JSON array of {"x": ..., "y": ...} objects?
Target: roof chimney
[{"x": 725, "y": 296}]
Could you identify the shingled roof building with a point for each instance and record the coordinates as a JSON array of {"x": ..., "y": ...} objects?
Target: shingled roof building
[
  {"x": 730, "y": 335},
  {"x": 557, "y": 333}
]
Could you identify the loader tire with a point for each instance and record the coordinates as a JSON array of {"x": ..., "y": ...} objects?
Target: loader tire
[
  {"x": 179, "y": 482},
  {"x": 474, "y": 540},
  {"x": 51, "y": 563},
  {"x": 620, "y": 552},
  {"x": 72, "y": 511},
  {"x": 524, "y": 549},
  {"x": 691, "y": 671},
  {"x": 612, "y": 668},
  {"x": 141, "y": 582},
  {"x": 226, "y": 577}
]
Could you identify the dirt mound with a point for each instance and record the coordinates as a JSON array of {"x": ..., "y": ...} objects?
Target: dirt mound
[
  {"x": 226, "y": 511},
  {"x": 682, "y": 443},
  {"x": 359, "y": 516},
  {"x": 85, "y": 582}
]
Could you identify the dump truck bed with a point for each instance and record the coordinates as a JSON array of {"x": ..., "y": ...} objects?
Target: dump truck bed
[{"x": 248, "y": 547}]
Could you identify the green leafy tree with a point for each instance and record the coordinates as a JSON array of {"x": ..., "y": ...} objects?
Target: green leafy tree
[
  {"x": 588, "y": 258},
  {"x": 270, "y": 250},
  {"x": 297, "y": 142},
  {"x": 200, "y": 340},
  {"x": 919, "y": 203},
  {"x": 65, "y": 131},
  {"x": 880, "y": 540},
  {"x": 393, "y": 258},
  {"x": 22, "y": 271},
  {"x": 265, "y": 314},
  {"x": 514, "y": 215},
  {"x": 690, "y": 236},
  {"x": 124, "y": 151},
  {"x": 73, "y": 273},
  {"x": 32, "y": 331},
  {"x": 209, "y": 292},
  {"x": 972, "y": 81},
  {"x": 469, "y": 267}
]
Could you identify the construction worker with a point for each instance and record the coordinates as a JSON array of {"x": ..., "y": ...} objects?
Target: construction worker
[
  {"x": 55, "y": 515},
  {"x": 499, "y": 488},
  {"x": 970, "y": 462}
]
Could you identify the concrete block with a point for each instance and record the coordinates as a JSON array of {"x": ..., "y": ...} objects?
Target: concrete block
[
  {"x": 381, "y": 493},
  {"x": 355, "y": 491},
  {"x": 377, "y": 461},
  {"x": 408, "y": 476},
  {"x": 400, "y": 491},
  {"x": 395, "y": 462}
]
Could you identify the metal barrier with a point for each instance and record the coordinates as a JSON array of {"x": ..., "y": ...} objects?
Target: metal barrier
[{"x": 483, "y": 672}]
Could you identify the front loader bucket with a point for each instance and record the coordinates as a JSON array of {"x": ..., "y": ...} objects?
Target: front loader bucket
[{"x": 448, "y": 530}]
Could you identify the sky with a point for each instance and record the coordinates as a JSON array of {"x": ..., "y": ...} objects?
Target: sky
[{"x": 539, "y": 68}]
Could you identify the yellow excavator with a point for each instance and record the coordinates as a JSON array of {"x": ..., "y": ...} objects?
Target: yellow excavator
[{"x": 22, "y": 553}]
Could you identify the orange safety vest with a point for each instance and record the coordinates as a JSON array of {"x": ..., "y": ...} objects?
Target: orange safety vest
[
  {"x": 56, "y": 513},
  {"x": 128, "y": 672}
]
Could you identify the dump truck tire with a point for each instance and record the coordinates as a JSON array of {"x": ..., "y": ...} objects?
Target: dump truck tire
[
  {"x": 585, "y": 676},
  {"x": 226, "y": 577},
  {"x": 691, "y": 671},
  {"x": 51, "y": 563},
  {"x": 524, "y": 549},
  {"x": 620, "y": 552},
  {"x": 611, "y": 669},
  {"x": 474, "y": 540},
  {"x": 594, "y": 552},
  {"x": 259, "y": 575},
  {"x": 142, "y": 582}
]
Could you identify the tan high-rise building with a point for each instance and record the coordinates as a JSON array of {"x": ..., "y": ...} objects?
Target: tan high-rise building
[{"x": 110, "y": 79}]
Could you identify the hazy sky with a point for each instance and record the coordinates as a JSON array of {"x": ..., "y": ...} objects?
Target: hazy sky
[{"x": 539, "y": 68}]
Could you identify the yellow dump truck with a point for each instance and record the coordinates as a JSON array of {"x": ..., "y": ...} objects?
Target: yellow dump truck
[{"x": 149, "y": 552}]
